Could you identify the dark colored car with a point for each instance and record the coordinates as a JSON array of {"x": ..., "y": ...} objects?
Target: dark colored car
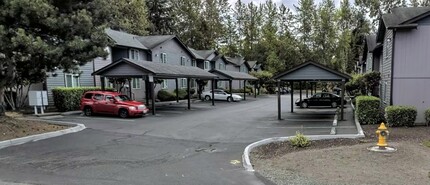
[
  {"x": 113, "y": 103},
  {"x": 320, "y": 99}
]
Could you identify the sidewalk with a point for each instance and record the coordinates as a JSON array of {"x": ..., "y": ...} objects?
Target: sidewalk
[{"x": 347, "y": 126}]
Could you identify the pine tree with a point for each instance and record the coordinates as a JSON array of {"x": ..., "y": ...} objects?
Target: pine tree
[
  {"x": 130, "y": 16},
  {"x": 160, "y": 14},
  {"x": 305, "y": 19}
]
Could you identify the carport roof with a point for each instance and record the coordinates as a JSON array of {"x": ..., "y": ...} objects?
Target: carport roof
[
  {"x": 128, "y": 68},
  {"x": 232, "y": 75},
  {"x": 312, "y": 71}
]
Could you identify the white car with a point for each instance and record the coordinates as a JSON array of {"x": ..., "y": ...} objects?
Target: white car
[{"x": 221, "y": 95}]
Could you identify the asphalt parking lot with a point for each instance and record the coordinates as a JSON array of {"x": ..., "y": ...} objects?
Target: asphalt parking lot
[{"x": 177, "y": 146}]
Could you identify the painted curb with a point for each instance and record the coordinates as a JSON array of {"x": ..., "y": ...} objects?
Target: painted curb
[{"x": 18, "y": 141}]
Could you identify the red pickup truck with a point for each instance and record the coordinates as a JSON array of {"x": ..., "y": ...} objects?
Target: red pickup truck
[{"x": 106, "y": 102}]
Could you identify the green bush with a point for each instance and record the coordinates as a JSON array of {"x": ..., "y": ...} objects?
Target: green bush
[
  {"x": 300, "y": 140},
  {"x": 164, "y": 95},
  {"x": 367, "y": 109},
  {"x": 427, "y": 115},
  {"x": 248, "y": 90},
  {"x": 182, "y": 93},
  {"x": 399, "y": 115},
  {"x": 69, "y": 98}
]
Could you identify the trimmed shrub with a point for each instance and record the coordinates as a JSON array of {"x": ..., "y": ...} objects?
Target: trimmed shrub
[
  {"x": 427, "y": 116},
  {"x": 367, "y": 109},
  {"x": 248, "y": 90},
  {"x": 182, "y": 93},
  {"x": 69, "y": 98},
  {"x": 399, "y": 115},
  {"x": 164, "y": 95},
  {"x": 300, "y": 140}
]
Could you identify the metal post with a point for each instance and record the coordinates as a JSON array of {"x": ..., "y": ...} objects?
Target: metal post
[
  {"x": 188, "y": 92},
  {"x": 307, "y": 89},
  {"x": 255, "y": 90},
  {"x": 300, "y": 91},
  {"x": 213, "y": 92},
  {"x": 231, "y": 89},
  {"x": 102, "y": 80},
  {"x": 177, "y": 90},
  {"x": 292, "y": 94},
  {"x": 152, "y": 97},
  {"x": 342, "y": 100},
  {"x": 279, "y": 100},
  {"x": 146, "y": 91},
  {"x": 315, "y": 87},
  {"x": 244, "y": 90},
  {"x": 129, "y": 87}
]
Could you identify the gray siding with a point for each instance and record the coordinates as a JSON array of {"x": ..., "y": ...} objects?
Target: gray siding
[
  {"x": 369, "y": 62},
  {"x": 376, "y": 62},
  {"x": 118, "y": 53},
  {"x": 411, "y": 69},
  {"x": 386, "y": 67},
  {"x": 425, "y": 21}
]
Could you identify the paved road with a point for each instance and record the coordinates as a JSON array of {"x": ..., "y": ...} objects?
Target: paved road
[{"x": 178, "y": 146}]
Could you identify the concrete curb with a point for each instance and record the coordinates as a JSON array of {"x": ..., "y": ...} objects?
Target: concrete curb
[
  {"x": 18, "y": 141},
  {"x": 71, "y": 113}
]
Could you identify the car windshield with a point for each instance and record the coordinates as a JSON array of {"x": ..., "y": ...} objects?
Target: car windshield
[{"x": 122, "y": 98}]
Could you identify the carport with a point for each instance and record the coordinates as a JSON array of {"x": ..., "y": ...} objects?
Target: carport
[
  {"x": 126, "y": 68},
  {"x": 310, "y": 72},
  {"x": 233, "y": 75}
]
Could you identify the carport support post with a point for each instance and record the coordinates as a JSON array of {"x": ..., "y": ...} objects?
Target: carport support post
[
  {"x": 188, "y": 93},
  {"x": 300, "y": 91},
  {"x": 307, "y": 89},
  {"x": 146, "y": 91},
  {"x": 213, "y": 92},
  {"x": 231, "y": 89},
  {"x": 151, "y": 84},
  {"x": 342, "y": 99},
  {"x": 279, "y": 100},
  {"x": 244, "y": 90},
  {"x": 255, "y": 89},
  {"x": 129, "y": 87},
  {"x": 102, "y": 80},
  {"x": 292, "y": 94},
  {"x": 177, "y": 90}
]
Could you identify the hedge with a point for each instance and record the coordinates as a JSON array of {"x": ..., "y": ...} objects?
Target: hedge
[
  {"x": 69, "y": 98},
  {"x": 399, "y": 115},
  {"x": 164, "y": 95},
  {"x": 367, "y": 109},
  {"x": 427, "y": 116}
]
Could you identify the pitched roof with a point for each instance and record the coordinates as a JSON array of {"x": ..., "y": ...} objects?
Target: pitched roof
[
  {"x": 310, "y": 75},
  {"x": 160, "y": 70},
  {"x": 196, "y": 54},
  {"x": 252, "y": 64},
  {"x": 232, "y": 75},
  {"x": 401, "y": 15},
  {"x": 371, "y": 42},
  {"x": 237, "y": 61},
  {"x": 151, "y": 41},
  {"x": 205, "y": 53},
  {"x": 125, "y": 39}
]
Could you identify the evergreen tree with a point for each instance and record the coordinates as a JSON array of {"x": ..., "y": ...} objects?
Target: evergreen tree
[
  {"x": 130, "y": 16},
  {"x": 304, "y": 20},
  {"x": 160, "y": 14}
]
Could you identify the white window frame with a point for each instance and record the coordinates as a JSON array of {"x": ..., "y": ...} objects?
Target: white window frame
[
  {"x": 134, "y": 54},
  {"x": 193, "y": 83},
  {"x": 164, "y": 84},
  {"x": 183, "y": 61},
  {"x": 163, "y": 58},
  {"x": 73, "y": 81},
  {"x": 221, "y": 66},
  {"x": 193, "y": 63},
  {"x": 183, "y": 83},
  {"x": 206, "y": 65},
  {"x": 136, "y": 83}
]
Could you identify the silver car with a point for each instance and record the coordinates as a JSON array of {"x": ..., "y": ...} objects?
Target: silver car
[{"x": 220, "y": 94}]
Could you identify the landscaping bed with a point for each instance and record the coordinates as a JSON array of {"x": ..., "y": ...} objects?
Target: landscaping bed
[
  {"x": 11, "y": 127},
  {"x": 347, "y": 161}
]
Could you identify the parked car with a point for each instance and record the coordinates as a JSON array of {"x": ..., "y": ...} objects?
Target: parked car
[
  {"x": 220, "y": 94},
  {"x": 320, "y": 99},
  {"x": 283, "y": 90},
  {"x": 113, "y": 103}
]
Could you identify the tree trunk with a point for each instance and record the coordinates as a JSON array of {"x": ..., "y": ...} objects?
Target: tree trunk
[{"x": 2, "y": 102}]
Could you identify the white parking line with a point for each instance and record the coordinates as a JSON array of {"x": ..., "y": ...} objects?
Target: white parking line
[
  {"x": 310, "y": 120},
  {"x": 108, "y": 119}
]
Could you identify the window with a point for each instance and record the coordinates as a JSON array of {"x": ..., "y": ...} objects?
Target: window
[
  {"x": 135, "y": 83},
  {"x": 242, "y": 68},
  {"x": 88, "y": 96},
  {"x": 183, "y": 61},
  {"x": 220, "y": 84},
  {"x": 206, "y": 65},
  {"x": 193, "y": 83},
  {"x": 221, "y": 66},
  {"x": 98, "y": 97},
  {"x": 183, "y": 82},
  {"x": 164, "y": 84},
  {"x": 109, "y": 83},
  {"x": 134, "y": 54},
  {"x": 163, "y": 58},
  {"x": 110, "y": 98},
  {"x": 193, "y": 63},
  {"x": 72, "y": 80}
]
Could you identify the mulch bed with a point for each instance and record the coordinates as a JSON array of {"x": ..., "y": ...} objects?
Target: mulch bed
[{"x": 11, "y": 128}]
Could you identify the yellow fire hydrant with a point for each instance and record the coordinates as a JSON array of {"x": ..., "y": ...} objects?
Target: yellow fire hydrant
[{"x": 382, "y": 134}]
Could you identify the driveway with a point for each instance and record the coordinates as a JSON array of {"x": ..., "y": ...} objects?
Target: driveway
[{"x": 177, "y": 146}]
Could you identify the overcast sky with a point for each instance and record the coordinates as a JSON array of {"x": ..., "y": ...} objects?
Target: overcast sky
[{"x": 289, "y": 3}]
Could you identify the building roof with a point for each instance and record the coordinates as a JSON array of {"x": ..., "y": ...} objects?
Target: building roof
[
  {"x": 125, "y": 39},
  {"x": 252, "y": 64},
  {"x": 232, "y": 75},
  {"x": 371, "y": 42},
  {"x": 205, "y": 53},
  {"x": 157, "y": 69},
  {"x": 402, "y": 15},
  {"x": 312, "y": 71},
  {"x": 151, "y": 41}
]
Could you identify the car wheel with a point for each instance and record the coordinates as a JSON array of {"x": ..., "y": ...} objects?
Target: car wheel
[
  {"x": 304, "y": 105},
  {"x": 229, "y": 99},
  {"x": 123, "y": 113},
  {"x": 88, "y": 111},
  {"x": 207, "y": 98},
  {"x": 333, "y": 104}
]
